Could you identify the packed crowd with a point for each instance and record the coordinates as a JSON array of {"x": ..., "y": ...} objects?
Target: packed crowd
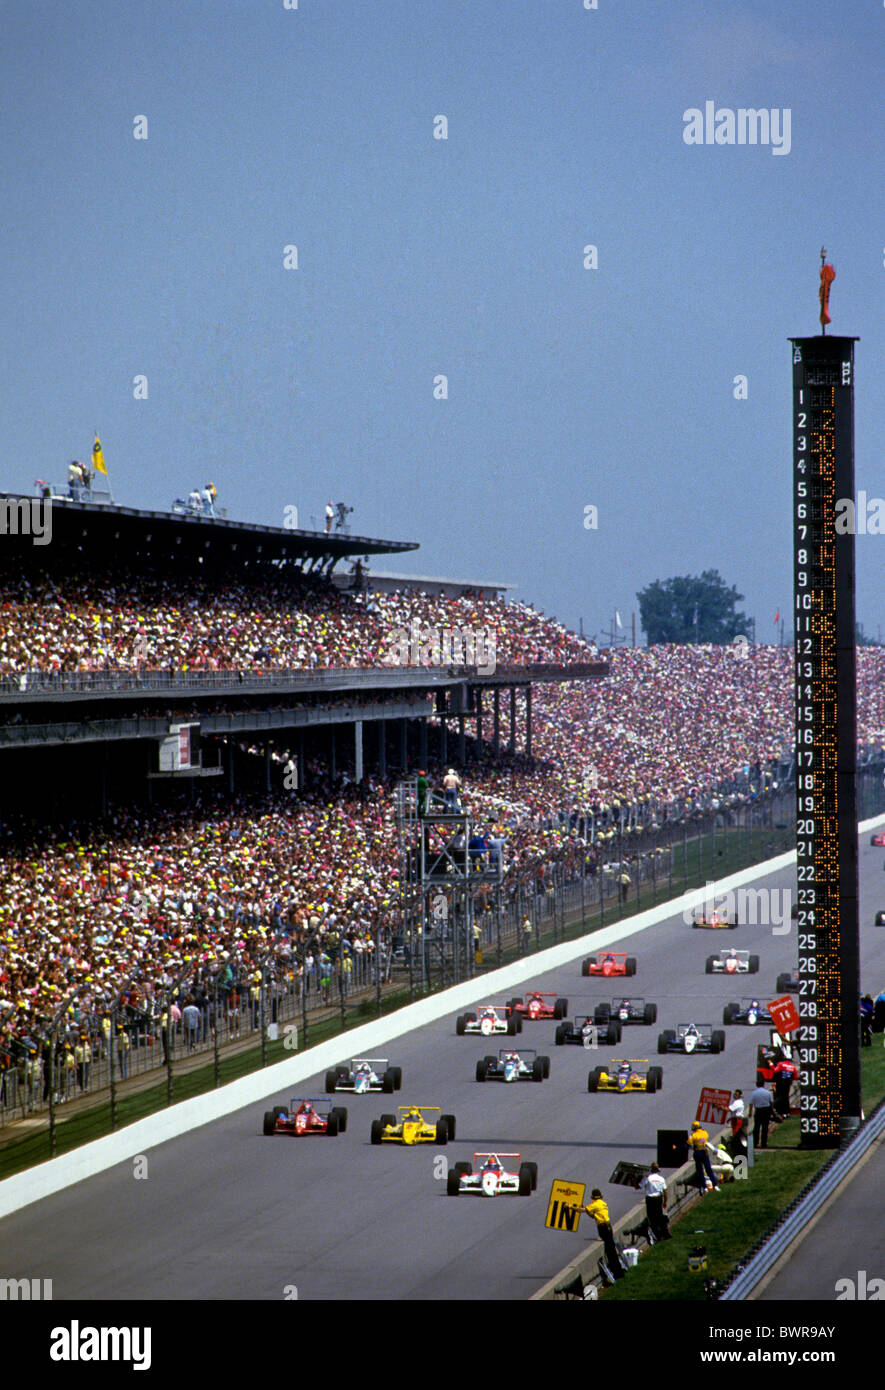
[{"x": 133, "y": 621}]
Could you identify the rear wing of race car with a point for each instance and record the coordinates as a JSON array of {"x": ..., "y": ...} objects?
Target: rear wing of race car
[
  {"x": 631, "y": 1062},
  {"x": 523, "y": 1051},
  {"x": 730, "y": 951},
  {"x": 422, "y": 1108},
  {"x": 311, "y": 1100},
  {"x": 701, "y": 1027},
  {"x": 499, "y": 1155},
  {"x": 376, "y": 1063}
]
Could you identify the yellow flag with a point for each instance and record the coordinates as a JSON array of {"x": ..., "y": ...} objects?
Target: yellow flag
[{"x": 98, "y": 457}]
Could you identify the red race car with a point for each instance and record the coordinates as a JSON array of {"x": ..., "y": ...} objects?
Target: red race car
[
  {"x": 609, "y": 963},
  {"x": 536, "y": 1006},
  {"x": 302, "y": 1117}
]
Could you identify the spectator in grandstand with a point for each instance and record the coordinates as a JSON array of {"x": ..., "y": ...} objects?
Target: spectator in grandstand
[
  {"x": 330, "y": 516},
  {"x": 190, "y": 1021},
  {"x": 208, "y": 500}
]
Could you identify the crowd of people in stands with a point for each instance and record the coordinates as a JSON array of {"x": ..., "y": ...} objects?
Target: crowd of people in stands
[
  {"x": 154, "y": 893},
  {"x": 131, "y": 621}
]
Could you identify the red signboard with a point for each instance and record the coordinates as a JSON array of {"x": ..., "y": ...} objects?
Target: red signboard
[
  {"x": 784, "y": 1014},
  {"x": 713, "y": 1106}
]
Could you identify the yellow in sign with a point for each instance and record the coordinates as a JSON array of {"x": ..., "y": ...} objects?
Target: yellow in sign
[{"x": 563, "y": 1196}]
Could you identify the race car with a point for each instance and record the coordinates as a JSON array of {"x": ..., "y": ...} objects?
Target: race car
[
  {"x": 748, "y": 1011},
  {"x": 622, "y": 1074},
  {"x": 524, "y": 1065},
  {"x": 586, "y": 1031},
  {"x": 491, "y": 1179},
  {"x": 626, "y": 1011},
  {"x": 609, "y": 963},
  {"x": 787, "y": 983},
  {"x": 878, "y": 838},
  {"x": 302, "y": 1117},
  {"x": 489, "y": 1019},
  {"x": 732, "y": 962},
  {"x": 364, "y": 1074},
  {"x": 714, "y": 921},
  {"x": 536, "y": 1006},
  {"x": 691, "y": 1037},
  {"x": 410, "y": 1125}
]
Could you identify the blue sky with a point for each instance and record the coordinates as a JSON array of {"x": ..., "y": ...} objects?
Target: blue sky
[{"x": 417, "y": 257}]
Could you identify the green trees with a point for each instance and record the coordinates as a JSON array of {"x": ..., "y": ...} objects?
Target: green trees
[{"x": 692, "y": 608}]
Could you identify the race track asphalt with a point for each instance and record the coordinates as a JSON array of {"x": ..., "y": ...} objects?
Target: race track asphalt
[{"x": 225, "y": 1213}]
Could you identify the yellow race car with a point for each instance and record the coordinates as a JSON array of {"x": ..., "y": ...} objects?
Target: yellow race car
[
  {"x": 624, "y": 1074},
  {"x": 411, "y": 1125}
]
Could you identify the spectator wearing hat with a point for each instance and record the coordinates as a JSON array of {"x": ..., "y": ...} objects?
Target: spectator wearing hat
[
  {"x": 451, "y": 786},
  {"x": 697, "y": 1142}
]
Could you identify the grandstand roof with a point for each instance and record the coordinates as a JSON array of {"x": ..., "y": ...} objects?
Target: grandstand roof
[{"x": 109, "y": 527}]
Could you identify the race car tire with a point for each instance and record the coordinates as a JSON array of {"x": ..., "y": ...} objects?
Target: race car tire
[
  {"x": 655, "y": 1076},
  {"x": 538, "y": 1069},
  {"x": 602, "y": 1013},
  {"x": 449, "y": 1122},
  {"x": 343, "y": 1073},
  {"x": 560, "y": 1035},
  {"x": 651, "y": 1082},
  {"x": 783, "y": 983},
  {"x": 753, "y": 965},
  {"x": 630, "y": 965},
  {"x": 717, "y": 1040},
  {"x": 332, "y": 1125},
  {"x": 730, "y": 1013},
  {"x": 442, "y": 1134},
  {"x": 560, "y": 1008},
  {"x": 651, "y": 1014},
  {"x": 340, "y": 1114},
  {"x": 388, "y": 1120},
  {"x": 708, "y": 968},
  {"x": 593, "y": 1079},
  {"x": 512, "y": 1003},
  {"x": 490, "y": 1061},
  {"x": 387, "y": 1083},
  {"x": 514, "y": 1024},
  {"x": 525, "y": 1180},
  {"x": 662, "y": 1044},
  {"x": 482, "y": 1069},
  {"x": 278, "y": 1110},
  {"x": 270, "y": 1122},
  {"x": 377, "y": 1131},
  {"x": 585, "y": 967},
  {"x": 463, "y": 1168},
  {"x": 533, "y": 1169},
  {"x": 460, "y": 1024},
  {"x": 331, "y": 1080},
  {"x": 615, "y": 1028},
  {"x": 546, "y": 1061},
  {"x": 397, "y": 1073},
  {"x": 453, "y": 1183}
]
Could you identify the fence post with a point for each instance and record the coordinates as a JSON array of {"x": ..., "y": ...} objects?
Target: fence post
[
  {"x": 53, "y": 1044},
  {"x": 112, "y": 1072},
  {"x": 216, "y": 1059}
]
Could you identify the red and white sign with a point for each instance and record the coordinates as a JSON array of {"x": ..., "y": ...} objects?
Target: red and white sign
[
  {"x": 784, "y": 1014},
  {"x": 713, "y": 1106}
]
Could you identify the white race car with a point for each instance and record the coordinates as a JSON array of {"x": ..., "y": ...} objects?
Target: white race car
[
  {"x": 490, "y": 1178},
  {"x": 363, "y": 1075},
  {"x": 524, "y": 1065},
  {"x": 488, "y": 1020},
  {"x": 731, "y": 962}
]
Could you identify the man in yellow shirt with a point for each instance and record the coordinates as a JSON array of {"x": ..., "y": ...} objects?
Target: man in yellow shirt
[
  {"x": 697, "y": 1142},
  {"x": 598, "y": 1209}
]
